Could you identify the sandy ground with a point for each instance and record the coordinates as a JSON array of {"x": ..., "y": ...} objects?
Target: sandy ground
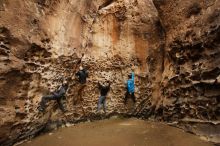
[{"x": 118, "y": 132}]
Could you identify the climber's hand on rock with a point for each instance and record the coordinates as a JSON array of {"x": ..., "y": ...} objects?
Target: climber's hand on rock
[{"x": 73, "y": 78}]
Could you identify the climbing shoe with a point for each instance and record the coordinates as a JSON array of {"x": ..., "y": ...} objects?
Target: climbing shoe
[{"x": 41, "y": 109}]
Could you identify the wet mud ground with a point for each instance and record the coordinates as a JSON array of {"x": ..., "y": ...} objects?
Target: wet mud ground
[{"x": 118, "y": 132}]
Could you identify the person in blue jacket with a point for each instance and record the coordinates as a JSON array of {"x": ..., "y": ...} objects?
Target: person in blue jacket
[{"x": 130, "y": 88}]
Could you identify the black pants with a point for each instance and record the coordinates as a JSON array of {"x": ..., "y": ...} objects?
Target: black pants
[
  {"x": 129, "y": 95},
  {"x": 51, "y": 97}
]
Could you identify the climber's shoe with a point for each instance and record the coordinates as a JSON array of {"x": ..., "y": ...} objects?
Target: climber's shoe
[{"x": 41, "y": 109}]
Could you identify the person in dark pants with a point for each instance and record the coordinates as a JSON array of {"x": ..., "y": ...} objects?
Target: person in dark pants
[
  {"x": 57, "y": 95},
  {"x": 130, "y": 88},
  {"x": 102, "y": 98},
  {"x": 82, "y": 75}
]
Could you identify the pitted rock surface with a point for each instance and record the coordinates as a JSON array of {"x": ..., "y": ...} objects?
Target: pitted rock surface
[{"x": 173, "y": 47}]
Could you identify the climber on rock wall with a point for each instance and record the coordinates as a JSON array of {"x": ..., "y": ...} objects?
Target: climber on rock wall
[
  {"x": 104, "y": 89},
  {"x": 57, "y": 95},
  {"x": 130, "y": 86},
  {"x": 81, "y": 75}
]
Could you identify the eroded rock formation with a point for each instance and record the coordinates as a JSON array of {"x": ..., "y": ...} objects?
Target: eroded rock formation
[
  {"x": 174, "y": 46},
  {"x": 190, "y": 83}
]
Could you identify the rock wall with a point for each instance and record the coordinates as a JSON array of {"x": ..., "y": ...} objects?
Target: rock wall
[
  {"x": 175, "y": 60},
  {"x": 190, "y": 82},
  {"x": 191, "y": 76},
  {"x": 41, "y": 43}
]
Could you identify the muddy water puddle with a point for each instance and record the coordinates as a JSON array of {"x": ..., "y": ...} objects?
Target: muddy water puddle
[{"x": 118, "y": 132}]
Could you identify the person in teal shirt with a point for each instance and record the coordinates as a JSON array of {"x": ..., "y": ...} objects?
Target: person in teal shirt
[{"x": 130, "y": 88}]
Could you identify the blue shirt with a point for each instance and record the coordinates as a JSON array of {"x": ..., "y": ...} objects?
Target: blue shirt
[{"x": 130, "y": 84}]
